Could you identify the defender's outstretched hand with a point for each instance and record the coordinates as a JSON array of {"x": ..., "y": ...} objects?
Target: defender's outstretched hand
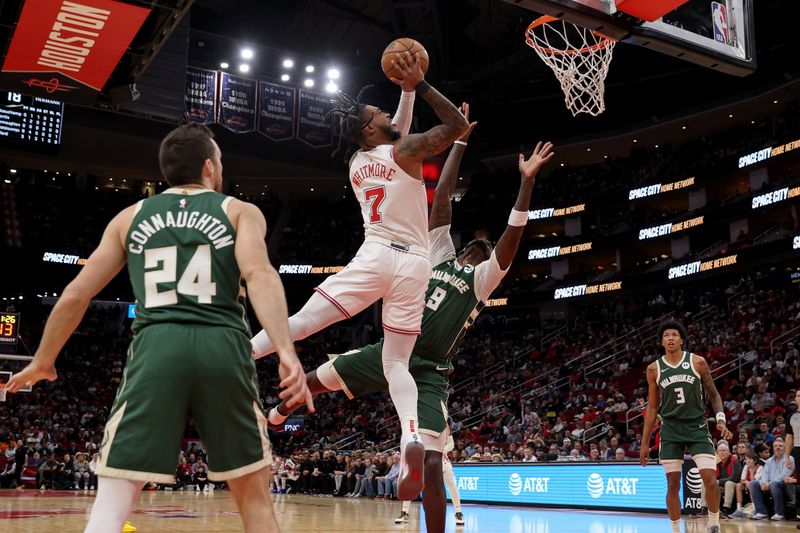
[
  {"x": 293, "y": 382},
  {"x": 540, "y": 156},
  {"x": 465, "y": 111},
  {"x": 30, "y": 376}
]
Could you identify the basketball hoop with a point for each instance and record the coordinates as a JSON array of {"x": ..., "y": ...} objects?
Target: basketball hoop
[{"x": 579, "y": 57}]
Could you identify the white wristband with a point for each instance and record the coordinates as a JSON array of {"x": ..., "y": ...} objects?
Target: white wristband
[
  {"x": 721, "y": 417},
  {"x": 462, "y": 143},
  {"x": 518, "y": 218}
]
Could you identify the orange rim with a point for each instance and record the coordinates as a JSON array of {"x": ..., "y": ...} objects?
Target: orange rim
[{"x": 546, "y": 19}]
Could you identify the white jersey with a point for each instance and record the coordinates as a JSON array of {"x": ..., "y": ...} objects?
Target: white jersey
[{"x": 393, "y": 204}]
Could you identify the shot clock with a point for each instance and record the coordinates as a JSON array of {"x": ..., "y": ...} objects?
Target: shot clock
[{"x": 9, "y": 326}]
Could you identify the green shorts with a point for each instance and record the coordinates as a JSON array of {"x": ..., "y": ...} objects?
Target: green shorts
[
  {"x": 174, "y": 371},
  {"x": 678, "y": 439},
  {"x": 360, "y": 372}
]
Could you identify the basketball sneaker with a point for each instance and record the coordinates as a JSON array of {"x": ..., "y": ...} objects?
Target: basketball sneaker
[
  {"x": 402, "y": 519},
  {"x": 410, "y": 482},
  {"x": 128, "y": 528},
  {"x": 459, "y": 519},
  {"x": 712, "y": 529}
]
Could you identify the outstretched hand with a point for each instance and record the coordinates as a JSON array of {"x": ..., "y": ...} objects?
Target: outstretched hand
[
  {"x": 540, "y": 156},
  {"x": 293, "y": 382},
  {"x": 410, "y": 69},
  {"x": 465, "y": 111},
  {"x": 30, "y": 376}
]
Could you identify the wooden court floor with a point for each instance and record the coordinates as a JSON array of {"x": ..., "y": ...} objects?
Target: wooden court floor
[{"x": 66, "y": 511}]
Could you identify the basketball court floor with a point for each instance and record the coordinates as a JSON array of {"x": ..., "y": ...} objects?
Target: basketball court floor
[{"x": 66, "y": 512}]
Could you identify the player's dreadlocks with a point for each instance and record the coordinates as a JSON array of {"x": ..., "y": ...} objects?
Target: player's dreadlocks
[{"x": 349, "y": 110}]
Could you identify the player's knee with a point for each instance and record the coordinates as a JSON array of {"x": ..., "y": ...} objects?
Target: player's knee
[{"x": 390, "y": 364}]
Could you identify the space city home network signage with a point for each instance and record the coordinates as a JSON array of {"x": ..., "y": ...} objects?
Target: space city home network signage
[
  {"x": 275, "y": 111},
  {"x": 237, "y": 103},
  {"x": 61, "y": 47},
  {"x": 314, "y": 124},
  {"x": 200, "y": 97}
]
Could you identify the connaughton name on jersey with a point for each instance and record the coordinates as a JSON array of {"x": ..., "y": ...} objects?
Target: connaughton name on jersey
[
  {"x": 676, "y": 378},
  {"x": 215, "y": 230}
]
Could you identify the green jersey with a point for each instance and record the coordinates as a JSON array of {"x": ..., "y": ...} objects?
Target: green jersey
[
  {"x": 181, "y": 262},
  {"x": 451, "y": 306},
  {"x": 681, "y": 391}
]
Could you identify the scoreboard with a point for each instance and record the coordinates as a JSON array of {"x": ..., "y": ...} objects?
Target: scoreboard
[
  {"x": 9, "y": 327},
  {"x": 30, "y": 120}
]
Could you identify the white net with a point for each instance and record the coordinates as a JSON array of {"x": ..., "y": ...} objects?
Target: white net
[{"x": 578, "y": 57}]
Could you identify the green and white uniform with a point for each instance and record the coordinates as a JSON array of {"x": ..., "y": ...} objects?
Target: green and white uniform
[
  {"x": 191, "y": 352},
  {"x": 455, "y": 296},
  {"x": 682, "y": 410}
]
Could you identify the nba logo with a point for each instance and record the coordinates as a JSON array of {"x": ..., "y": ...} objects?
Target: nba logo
[{"x": 719, "y": 19}]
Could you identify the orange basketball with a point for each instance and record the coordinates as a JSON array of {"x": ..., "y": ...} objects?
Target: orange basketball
[{"x": 399, "y": 46}]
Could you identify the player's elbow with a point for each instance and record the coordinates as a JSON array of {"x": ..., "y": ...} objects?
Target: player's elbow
[{"x": 74, "y": 298}]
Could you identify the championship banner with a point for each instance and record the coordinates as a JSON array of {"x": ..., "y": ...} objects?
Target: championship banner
[
  {"x": 313, "y": 128},
  {"x": 200, "y": 97},
  {"x": 237, "y": 103},
  {"x": 61, "y": 46},
  {"x": 275, "y": 111}
]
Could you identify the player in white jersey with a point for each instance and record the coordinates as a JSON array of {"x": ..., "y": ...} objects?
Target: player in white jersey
[{"x": 392, "y": 264}]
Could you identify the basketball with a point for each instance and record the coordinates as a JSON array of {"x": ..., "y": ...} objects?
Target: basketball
[{"x": 399, "y": 46}]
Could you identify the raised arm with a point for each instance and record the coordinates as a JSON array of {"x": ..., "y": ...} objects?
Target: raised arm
[
  {"x": 509, "y": 241},
  {"x": 412, "y": 149},
  {"x": 268, "y": 299},
  {"x": 653, "y": 400},
  {"x": 711, "y": 390},
  {"x": 442, "y": 210}
]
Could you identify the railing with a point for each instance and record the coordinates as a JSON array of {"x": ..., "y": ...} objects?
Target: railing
[
  {"x": 545, "y": 341},
  {"x": 784, "y": 338}
]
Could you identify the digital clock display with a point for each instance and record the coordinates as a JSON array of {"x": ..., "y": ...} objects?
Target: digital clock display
[
  {"x": 9, "y": 324},
  {"x": 30, "y": 119}
]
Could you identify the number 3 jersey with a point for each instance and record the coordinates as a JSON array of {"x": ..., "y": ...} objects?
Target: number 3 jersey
[
  {"x": 456, "y": 295},
  {"x": 681, "y": 391},
  {"x": 394, "y": 205},
  {"x": 181, "y": 262}
]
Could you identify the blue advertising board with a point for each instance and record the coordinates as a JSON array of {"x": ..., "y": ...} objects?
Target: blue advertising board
[{"x": 615, "y": 486}]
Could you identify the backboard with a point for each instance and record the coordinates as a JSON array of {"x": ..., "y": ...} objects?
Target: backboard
[{"x": 718, "y": 34}]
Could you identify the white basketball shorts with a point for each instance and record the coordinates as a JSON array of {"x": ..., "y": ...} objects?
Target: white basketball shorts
[{"x": 395, "y": 272}]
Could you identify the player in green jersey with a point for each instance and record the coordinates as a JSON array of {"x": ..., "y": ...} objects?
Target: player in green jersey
[
  {"x": 676, "y": 382},
  {"x": 187, "y": 250},
  {"x": 457, "y": 292}
]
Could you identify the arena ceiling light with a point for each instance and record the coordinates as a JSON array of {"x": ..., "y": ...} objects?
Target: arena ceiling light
[
  {"x": 331, "y": 87},
  {"x": 288, "y": 63},
  {"x": 285, "y": 77},
  {"x": 244, "y": 67},
  {"x": 308, "y": 82},
  {"x": 224, "y": 64},
  {"x": 333, "y": 73},
  {"x": 309, "y": 68},
  {"x": 247, "y": 53}
]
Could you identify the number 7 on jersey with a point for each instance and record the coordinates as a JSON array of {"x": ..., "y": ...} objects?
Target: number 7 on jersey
[{"x": 375, "y": 196}]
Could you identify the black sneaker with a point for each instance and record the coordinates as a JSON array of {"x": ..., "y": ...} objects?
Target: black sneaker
[
  {"x": 459, "y": 519},
  {"x": 402, "y": 519}
]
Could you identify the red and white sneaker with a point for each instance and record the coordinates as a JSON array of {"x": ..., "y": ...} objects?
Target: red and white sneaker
[{"x": 411, "y": 481}]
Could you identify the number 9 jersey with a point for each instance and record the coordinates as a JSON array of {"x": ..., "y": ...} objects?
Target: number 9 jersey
[{"x": 180, "y": 251}]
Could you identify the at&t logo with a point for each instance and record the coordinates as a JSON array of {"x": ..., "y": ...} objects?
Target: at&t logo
[
  {"x": 619, "y": 486},
  {"x": 694, "y": 483},
  {"x": 518, "y": 484}
]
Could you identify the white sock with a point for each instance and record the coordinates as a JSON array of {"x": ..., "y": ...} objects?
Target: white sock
[
  {"x": 452, "y": 486},
  {"x": 406, "y": 506},
  {"x": 676, "y": 526},
  {"x": 738, "y": 506},
  {"x": 275, "y": 418},
  {"x": 713, "y": 518},
  {"x": 115, "y": 500},
  {"x": 402, "y": 388}
]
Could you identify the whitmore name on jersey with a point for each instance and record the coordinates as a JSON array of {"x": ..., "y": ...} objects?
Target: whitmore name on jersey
[
  {"x": 677, "y": 378},
  {"x": 212, "y": 227}
]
